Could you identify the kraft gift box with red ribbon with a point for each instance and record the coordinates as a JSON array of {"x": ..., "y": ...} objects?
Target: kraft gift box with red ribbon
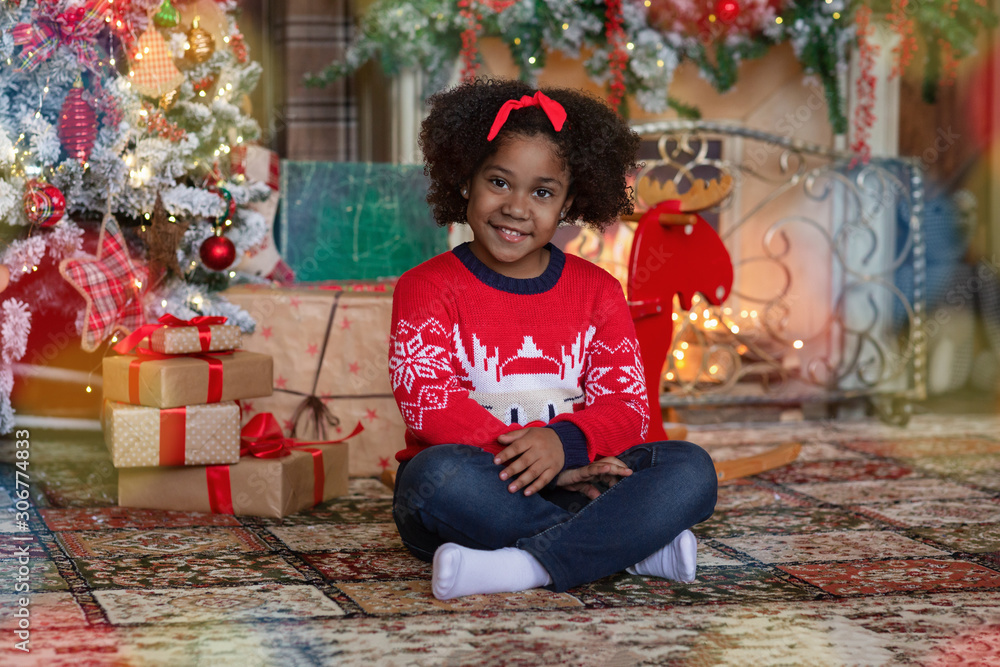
[
  {"x": 139, "y": 436},
  {"x": 170, "y": 381},
  {"x": 275, "y": 477},
  {"x": 172, "y": 335},
  {"x": 330, "y": 345}
]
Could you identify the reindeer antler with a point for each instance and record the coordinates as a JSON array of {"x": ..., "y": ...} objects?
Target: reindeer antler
[{"x": 701, "y": 195}]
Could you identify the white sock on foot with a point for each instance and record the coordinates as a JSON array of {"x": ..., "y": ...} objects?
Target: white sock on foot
[
  {"x": 677, "y": 561},
  {"x": 462, "y": 571}
]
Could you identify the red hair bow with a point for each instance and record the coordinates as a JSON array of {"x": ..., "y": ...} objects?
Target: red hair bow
[{"x": 552, "y": 109}]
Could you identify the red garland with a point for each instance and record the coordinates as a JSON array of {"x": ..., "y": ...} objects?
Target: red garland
[
  {"x": 902, "y": 22},
  {"x": 470, "y": 38},
  {"x": 239, "y": 48},
  {"x": 949, "y": 63},
  {"x": 618, "y": 56},
  {"x": 864, "y": 115}
]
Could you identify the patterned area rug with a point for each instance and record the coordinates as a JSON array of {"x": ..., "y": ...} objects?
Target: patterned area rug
[{"x": 880, "y": 545}]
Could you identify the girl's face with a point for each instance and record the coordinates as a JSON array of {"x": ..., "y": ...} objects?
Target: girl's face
[{"x": 516, "y": 199}]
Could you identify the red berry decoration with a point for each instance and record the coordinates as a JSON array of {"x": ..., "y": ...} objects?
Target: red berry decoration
[
  {"x": 44, "y": 203},
  {"x": 217, "y": 253},
  {"x": 77, "y": 124}
]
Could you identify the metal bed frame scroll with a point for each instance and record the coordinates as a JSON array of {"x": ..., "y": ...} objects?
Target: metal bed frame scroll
[{"x": 827, "y": 304}]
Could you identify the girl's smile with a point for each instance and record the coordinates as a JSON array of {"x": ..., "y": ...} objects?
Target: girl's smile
[{"x": 516, "y": 201}]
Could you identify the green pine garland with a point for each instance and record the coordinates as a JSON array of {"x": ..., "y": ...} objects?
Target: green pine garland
[{"x": 426, "y": 35}]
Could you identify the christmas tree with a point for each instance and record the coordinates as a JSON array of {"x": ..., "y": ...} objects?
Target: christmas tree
[{"x": 119, "y": 120}]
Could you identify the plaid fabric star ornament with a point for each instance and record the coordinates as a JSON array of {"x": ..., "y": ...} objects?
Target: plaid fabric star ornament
[{"x": 110, "y": 284}]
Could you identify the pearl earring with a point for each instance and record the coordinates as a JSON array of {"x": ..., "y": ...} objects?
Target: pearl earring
[
  {"x": 465, "y": 193},
  {"x": 562, "y": 214}
]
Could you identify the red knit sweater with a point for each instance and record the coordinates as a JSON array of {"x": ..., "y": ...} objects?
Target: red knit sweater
[{"x": 475, "y": 354}]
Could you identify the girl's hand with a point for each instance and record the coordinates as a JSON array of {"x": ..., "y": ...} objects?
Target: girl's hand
[
  {"x": 535, "y": 455},
  {"x": 608, "y": 470}
]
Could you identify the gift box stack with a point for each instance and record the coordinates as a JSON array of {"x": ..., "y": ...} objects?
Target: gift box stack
[{"x": 172, "y": 423}]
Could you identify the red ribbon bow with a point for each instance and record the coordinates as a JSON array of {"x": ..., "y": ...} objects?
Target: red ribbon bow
[
  {"x": 203, "y": 322},
  {"x": 263, "y": 438},
  {"x": 552, "y": 109},
  {"x": 77, "y": 29}
]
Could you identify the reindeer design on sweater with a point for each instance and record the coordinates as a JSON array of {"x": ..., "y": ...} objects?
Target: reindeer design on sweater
[{"x": 528, "y": 386}]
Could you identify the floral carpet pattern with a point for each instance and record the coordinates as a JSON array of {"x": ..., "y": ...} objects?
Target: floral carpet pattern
[{"x": 880, "y": 545}]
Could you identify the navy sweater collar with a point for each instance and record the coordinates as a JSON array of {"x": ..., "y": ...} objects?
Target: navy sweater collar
[{"x": 543, "y": 283}]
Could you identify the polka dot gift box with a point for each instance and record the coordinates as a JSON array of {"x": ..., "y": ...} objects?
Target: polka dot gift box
[{"x": 189, "y": 435}]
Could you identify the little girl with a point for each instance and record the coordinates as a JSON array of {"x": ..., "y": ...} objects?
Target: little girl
[{"x": 516, "y": 367}]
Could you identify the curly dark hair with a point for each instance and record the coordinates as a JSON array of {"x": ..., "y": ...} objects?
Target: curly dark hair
[{"x": 595, "y": 143}]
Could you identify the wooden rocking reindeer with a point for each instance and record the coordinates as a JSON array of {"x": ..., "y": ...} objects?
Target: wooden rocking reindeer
[{"x": 675, "y": 252}]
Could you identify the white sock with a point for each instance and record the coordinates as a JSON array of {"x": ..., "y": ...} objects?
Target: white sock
[
  {"x": 462, "y": 571},
  {"x": 677, "y": 561}
]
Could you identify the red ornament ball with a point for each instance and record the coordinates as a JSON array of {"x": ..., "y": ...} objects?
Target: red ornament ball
[
  {"x": 77, "y": 125},
  {"x": 44, "y": 203},
  {"x": 727, "y": 10},
  {"x": 217, "y": 253}
]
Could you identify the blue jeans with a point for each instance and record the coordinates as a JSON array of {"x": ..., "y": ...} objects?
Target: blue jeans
[{"x": 453, "y": 493}]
